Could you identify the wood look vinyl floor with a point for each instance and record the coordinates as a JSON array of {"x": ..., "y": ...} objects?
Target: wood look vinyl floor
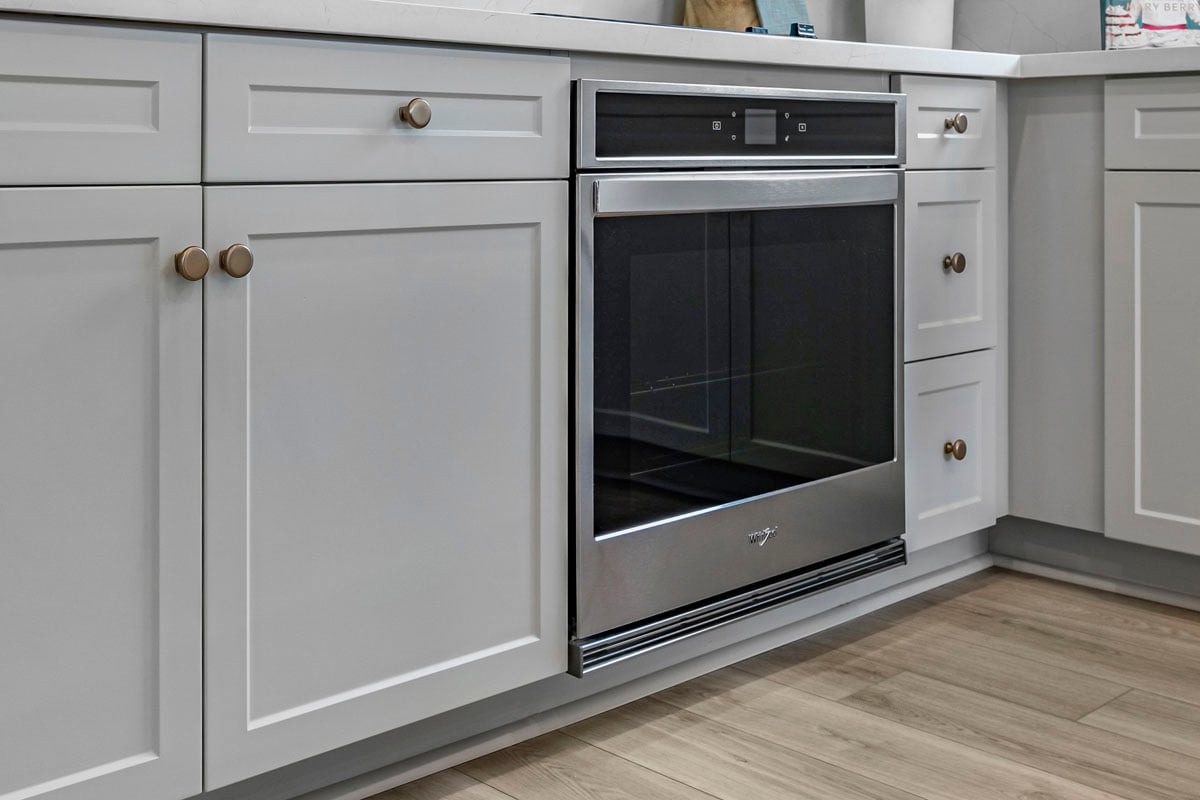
[{"x": 1001, "y": 686}]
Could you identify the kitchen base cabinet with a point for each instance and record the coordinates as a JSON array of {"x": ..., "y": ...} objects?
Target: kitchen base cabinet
[
  {"x": 950, "y": 447},
  {"x": 385, "y": 459},
  {"x": 100, "y": 495},
  {"x": 1152, "y": 381}
]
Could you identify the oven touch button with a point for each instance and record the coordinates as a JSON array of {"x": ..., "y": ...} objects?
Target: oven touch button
[{"x": 760, "y": 538}]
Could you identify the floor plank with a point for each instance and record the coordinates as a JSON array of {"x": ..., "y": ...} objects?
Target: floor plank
[
  {"x": 1010, "y": 582},
  {"x": 1153, "y": 719},
  {"x": 1092, "y": 612},
  {"x": 806, "y": 665},
  {"x": 1086, "y": 755},
  {"x": 561, "y": 767},
  {"x": 1000, "y": 686},
  {"x": 989, "y": 670},
  {"x": 917, "y": 762},
  {"x": 1006, "y": 631},
  {"x": 447, "y": 785},
  {"x": 720, "y": 760}
]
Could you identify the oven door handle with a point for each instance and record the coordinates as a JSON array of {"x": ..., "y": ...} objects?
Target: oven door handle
[{"x": 711, "y": 192}]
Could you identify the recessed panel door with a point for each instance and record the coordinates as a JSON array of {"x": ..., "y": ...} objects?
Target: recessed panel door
[
  {"x": 1152, "y": 377},
  {"x": 386, "y": 459},
  {"x": 100, "y": 495}
]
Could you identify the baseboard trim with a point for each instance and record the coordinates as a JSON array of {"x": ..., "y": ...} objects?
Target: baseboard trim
[
  {"x": 403, "y": 772},
  {"x": 1164, "y": 596}
]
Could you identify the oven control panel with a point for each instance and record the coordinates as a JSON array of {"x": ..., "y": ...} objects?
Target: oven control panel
[{"x": 725, "y": 126}]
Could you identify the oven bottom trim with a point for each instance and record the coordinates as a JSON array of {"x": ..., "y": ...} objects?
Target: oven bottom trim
[{"x": 602, "y": 650}]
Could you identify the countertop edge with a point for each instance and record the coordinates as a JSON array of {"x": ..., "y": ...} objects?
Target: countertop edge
[
  {"x": 395, "y": 19},
  {"x": 1098, "y": 63},
  {"x": 391, "y": 19}
]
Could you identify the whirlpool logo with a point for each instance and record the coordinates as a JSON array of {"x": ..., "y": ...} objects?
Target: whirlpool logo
[{"x": 760, "y": 538}]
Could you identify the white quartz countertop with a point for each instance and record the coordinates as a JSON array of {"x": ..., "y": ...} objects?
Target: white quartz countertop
[
  {"x": 1112, "y": 62},
  {"x": 401, "y": 20}
]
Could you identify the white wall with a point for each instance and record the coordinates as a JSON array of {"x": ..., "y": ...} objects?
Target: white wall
[
  {"x": 1005, "y": 26},
  {"x": 1027, "y": 26}
]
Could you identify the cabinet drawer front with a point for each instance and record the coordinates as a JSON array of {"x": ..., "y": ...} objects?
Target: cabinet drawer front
[
  {"x": 316, "y": 110},
  {"x": 948, "y": 400},
  {"x": 100, "y": 494},
  {"x": 1152, "y": 123},
  {"x": 83, "y": 104},
  {"x": 933, "y": 101},
  {"x": 386, "y": 459},
  {"x": 947, "y": 215}
]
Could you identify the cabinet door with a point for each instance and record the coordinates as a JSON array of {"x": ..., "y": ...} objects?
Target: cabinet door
[
  {"x": 386, "y": 459},
  {"x": 949, "y": 492},
  {"x": 949, "y": 263},
  {"x": 100, "y": 495},
  {"x": 1152, "y": 371}
]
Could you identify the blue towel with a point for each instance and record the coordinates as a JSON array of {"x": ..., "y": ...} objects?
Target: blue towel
[{"x": 777, "y": 16}]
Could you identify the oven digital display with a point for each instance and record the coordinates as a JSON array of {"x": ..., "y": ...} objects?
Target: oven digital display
[
  {"x": 760, "y": 126},
  {"x": 633, "y": 125}
]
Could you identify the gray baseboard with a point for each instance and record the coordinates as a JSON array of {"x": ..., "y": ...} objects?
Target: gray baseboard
[{"x": 1092, "y": 554}]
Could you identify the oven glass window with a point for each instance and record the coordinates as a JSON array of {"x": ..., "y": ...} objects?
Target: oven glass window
[{"x": 738, "y": 354}]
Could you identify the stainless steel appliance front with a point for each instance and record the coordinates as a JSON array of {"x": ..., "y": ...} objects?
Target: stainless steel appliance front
[{"x": 796, "y": 299}]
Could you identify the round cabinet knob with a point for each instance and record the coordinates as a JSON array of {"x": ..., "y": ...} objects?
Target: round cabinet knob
[
  {"x": 237, "y": 260},
  {"x": 957, "y": 448},
  {"x": 957, "y": 123},
  {"x": 417, "y": 113},
  {"x": 956, "y": 262},
  {"x": 191, "y": 263}
]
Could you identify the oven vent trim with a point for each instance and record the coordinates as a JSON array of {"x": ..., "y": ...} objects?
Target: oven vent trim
[{"x": 606, "y": 649}]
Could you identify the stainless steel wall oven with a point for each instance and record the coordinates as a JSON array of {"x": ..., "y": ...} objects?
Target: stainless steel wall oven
[{"x": 738, "y": 355}]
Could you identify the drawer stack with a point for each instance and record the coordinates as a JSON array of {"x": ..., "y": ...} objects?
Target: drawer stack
[{"x": 950, "y": 307}]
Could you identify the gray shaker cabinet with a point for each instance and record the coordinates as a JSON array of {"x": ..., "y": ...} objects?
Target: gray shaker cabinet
[
  {"x": 385, "y": 459},
  {"x": 100, "y": 495},
  {"x": 1152, "y": 359}
]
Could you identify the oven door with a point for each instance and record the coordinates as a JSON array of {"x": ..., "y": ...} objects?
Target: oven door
[{"x": 738, "y": 369}]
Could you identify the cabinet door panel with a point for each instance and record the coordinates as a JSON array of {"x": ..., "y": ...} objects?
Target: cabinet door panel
[
  {"x": 1152, "y": 335},
  {"x": 1152, "y": 123},
  {"x": 98, "y": 104},
  {"x": 947, "y": 312},
  {"x": 100, "y": 493},
  {"x": 386, "y": 458},
  {"x": 947, "y": 400},
  {"x": 934, "y": 99},
  {"x": 293, "y": 109}
]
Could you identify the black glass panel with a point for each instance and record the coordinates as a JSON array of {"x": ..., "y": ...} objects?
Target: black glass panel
[
  {"x": 644, "y": 125},
  {"x": 739, "y": 354}
]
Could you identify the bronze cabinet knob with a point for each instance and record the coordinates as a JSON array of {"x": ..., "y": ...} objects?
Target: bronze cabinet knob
[
  {"x": 191, "y": 263},
  {"x": 956, "y": 262},
  {"x": 417, "y": 113},
  {"x": 957, "y": 448},
  {"x": 237, "y": 260},
  {"x": 957, "y": 123}
]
